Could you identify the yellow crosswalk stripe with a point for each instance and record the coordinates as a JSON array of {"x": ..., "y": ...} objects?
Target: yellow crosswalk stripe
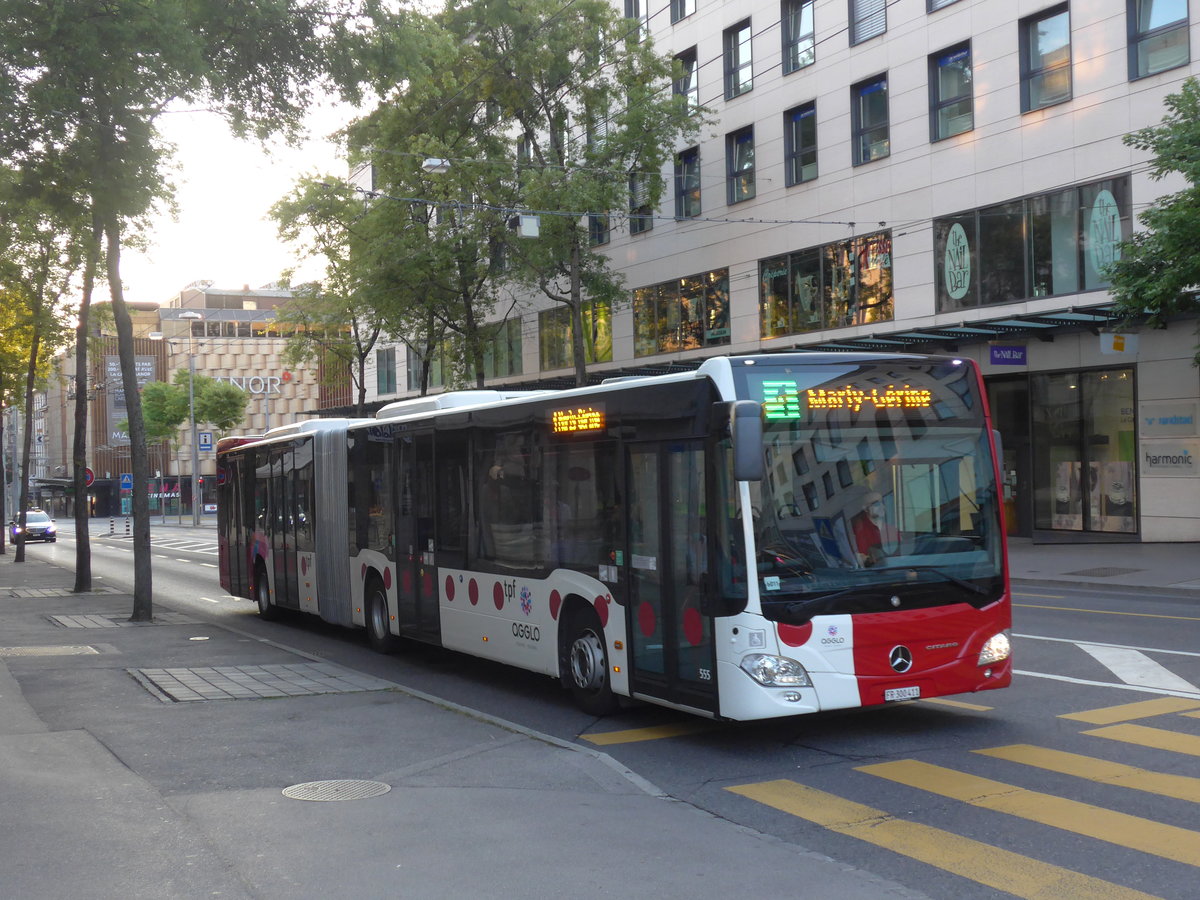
[
  {"x": 1121, "y": 829},
  {"x": 1145, "y": 736},
  {"x": 1100, "y": 770},
  {"x": 1020, "y": 876},
  {"x": 653, "y": 733},
  {"x": 957, "y": 704},
  {"x": 1144, "y": 709}
]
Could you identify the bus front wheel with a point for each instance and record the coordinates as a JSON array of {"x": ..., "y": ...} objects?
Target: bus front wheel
[
  {"x": 588, "y": 662},
  {"x": 379, "y": 634}
]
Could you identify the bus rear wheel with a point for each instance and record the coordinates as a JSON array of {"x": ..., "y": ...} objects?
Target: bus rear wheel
[
  {"x": 262, "y": 596},
  {"x": 588, "y": 662},
  {"x": 379, "y": 634}
]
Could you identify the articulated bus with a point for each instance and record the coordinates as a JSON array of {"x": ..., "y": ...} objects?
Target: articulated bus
[{"x": 763, "y": 536}]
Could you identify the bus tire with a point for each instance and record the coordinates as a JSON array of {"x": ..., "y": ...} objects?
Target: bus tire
[
  {"x": 379, "y": 634},
  {"x": 267, "y": 610},
  {"x": 587, "y": 661}
]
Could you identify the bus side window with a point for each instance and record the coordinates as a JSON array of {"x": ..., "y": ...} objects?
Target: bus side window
[{"x": 508, "y": 500}]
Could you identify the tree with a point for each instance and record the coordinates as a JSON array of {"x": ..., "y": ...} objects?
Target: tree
[
  {"x": 1158, "y": 272},
  {"x": 331, "y": 317},
  {"x": 42, "y": 249},
  {"x": 167, "y": 406},
  {"x": 85, "y": 81},
  {"x": 15, "y": 339},
  {"x": 597, "y": 122}
]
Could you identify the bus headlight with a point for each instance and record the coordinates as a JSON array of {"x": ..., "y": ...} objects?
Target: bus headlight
[
  {"x": 775, "y": 671},
  {"x": 997, "y": 649}
]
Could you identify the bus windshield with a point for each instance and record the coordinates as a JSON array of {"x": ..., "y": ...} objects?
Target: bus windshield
[{"x": 879, "y": 490}]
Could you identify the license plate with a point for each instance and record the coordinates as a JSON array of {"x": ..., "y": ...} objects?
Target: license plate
[{"x": 905, "y": 693}]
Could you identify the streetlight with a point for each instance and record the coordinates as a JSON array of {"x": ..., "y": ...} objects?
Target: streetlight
[{"x": 192, "y": 315}]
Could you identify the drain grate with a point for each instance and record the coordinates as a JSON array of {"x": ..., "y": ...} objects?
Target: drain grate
[
  {"x": 1105, "y": 572},
  {"x": 336, "y": 790},
  {"x": 47, "y": 651}
]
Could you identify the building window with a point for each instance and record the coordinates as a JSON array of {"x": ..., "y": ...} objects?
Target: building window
[
  {"x": 687, "y": 184},
  {"x": 385, "y": 371},
  {"x": 739, "y": 154},
  {"x": 1040, "y": 246},
  {"x": 1084, "y": 470},
  {"x": 799, "y": 46},
  {"x": 686, "y": 314},
  {"x": 598, "y": 230},
  {"x": 739, "y": 64},
  {"x": 1158, "y": 36},
  {"x": 800, "y": 143},
  {"x": 868, "y": 19},
  {"x": 951, "y": 106},
  {"x": 555, "y": 337},
  {"x": 637, "y": 9},
  {"x": 833, "y": 286},
  {"x": 935, "y": 5},
  {"x": 681, "y": 9},
  {"x": 502, "y": 350},
  {"x": 1045, "y": 59},
  {"x": 641, "y": 215},
  {"x": 869, "y": 108},
  {"x": 688, "y": 83},
  {"x": 439, "y": 366}
]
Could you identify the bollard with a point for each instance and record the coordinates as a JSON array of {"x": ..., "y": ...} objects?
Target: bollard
[
  {"x": 127, "y": 526},
  {"x": 112, "y": 526}
]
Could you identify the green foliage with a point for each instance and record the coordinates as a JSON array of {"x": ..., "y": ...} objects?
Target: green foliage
[
  {"x": 589, "y": 103},
  {"x": 1158, "y": 274},
  {"x": 164, "y": 409},
  {"x": 166, "y": 406}
]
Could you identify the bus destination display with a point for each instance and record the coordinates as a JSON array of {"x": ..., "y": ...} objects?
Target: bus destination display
[
  {"x": 577, "y": 420},
  {"x": 784, "y": 399}
]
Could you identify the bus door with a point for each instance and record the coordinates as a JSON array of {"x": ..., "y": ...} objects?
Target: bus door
[
  {"x": 670, "y": 638},
  {"x": 416, "y": 563},
  {"x": 283, "y": 537}
]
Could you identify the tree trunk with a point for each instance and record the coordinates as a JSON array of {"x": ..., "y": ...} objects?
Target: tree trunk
[
  {"x": 83, "y": 546},
  {"x": 27, "y": 438},
  {"x": 577, "y": 344},
  {"x": 143, "y": 606}
]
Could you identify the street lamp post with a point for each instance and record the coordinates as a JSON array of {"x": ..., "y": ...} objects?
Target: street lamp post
[{"x": 192, "y": 315}]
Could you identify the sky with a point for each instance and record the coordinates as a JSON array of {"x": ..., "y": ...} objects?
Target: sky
[{"x": 224, "y": 190}]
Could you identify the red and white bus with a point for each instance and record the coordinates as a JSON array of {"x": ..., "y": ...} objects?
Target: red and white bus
[{"x": 764, "y": 536}]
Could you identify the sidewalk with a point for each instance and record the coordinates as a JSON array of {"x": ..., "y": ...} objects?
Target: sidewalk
[
  {"x": 1168, "y": 568},
  {"x": 147, "y": 761}
]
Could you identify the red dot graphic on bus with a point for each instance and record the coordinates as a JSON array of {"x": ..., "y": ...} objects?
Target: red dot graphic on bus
[
  {"x": 387, "y": 578},
  {"x": 363, "y": 574},
  {"x": 602, "y": 610},
  {"x": 449, "y": 589},
  {"x": 473, "y": 592},
  {"x": 304, "y": 565},
  {"x": 427, "y": 583},
  {"x": 795, "y": 635},
  {"x": 647, "y": 620},
  {"x": 498, "y": 595},
  {"x": 693, "y": 626},
  {"x": 555, "y": 604}
]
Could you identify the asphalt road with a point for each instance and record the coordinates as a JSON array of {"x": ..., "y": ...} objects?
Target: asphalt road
[{"x": 1085, "y": 771}]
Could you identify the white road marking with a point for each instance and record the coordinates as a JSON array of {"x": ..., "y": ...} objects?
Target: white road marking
[
  {"x": 1192, "y": 694},
  {"x": 1136, "y": 668}
]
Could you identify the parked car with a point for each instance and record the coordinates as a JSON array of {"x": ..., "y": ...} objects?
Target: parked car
[{"x": 38, "y": 527}]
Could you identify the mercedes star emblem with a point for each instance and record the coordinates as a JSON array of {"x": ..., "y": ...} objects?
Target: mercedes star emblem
[{"x": 900, "y": 658}]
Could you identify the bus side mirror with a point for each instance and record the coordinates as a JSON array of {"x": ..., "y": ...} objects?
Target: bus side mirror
[{"x": 746, "y": 429}]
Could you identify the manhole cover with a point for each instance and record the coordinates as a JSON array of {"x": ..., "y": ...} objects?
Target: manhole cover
[
  {"x": 336, "y": 790},
  {"x": 1104, "y": 572}
]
